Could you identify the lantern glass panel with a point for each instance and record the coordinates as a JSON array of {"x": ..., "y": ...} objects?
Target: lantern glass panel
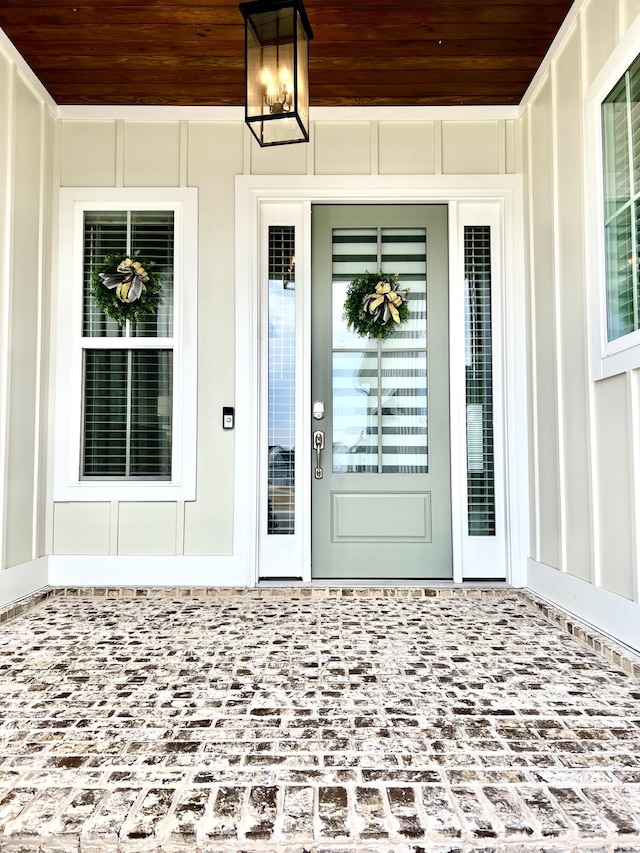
[{"x": 302, "y": 75}]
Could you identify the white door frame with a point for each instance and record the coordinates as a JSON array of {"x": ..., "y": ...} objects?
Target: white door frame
[{"x": 497, "y": 200}]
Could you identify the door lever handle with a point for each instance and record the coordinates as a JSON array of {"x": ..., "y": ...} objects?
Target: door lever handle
[{"x": 318, "y": 446}]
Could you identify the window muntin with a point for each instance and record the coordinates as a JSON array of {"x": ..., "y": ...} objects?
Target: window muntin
[
  {"x": 127, "y": 389},
  {"x": 621, "y": 140}
]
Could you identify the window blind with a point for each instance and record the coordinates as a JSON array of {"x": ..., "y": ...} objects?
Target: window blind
[
  {"x": 128, "y": 397},
  {"x": 479, "y": 382}
]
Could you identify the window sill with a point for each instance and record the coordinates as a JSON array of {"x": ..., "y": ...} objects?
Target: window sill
[
  {"x": 111, "y": 491},
  {"x": 622, "y": 355}
]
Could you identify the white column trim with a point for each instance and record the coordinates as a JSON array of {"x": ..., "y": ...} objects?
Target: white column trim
[
  {"x": 6, "y": 269},
  {"x": 23, "y": 580},
  {"x": 610, "y": 613}
]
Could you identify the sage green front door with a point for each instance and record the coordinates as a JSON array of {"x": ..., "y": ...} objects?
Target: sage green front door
[{"x": 381, "y": 499}]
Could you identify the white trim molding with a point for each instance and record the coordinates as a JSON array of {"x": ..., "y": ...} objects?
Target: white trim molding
[
  {"x": 501, "y": 198},
  {"x": 13, "y": 55},
  {"x": 23, "y": 580},
  {"x": 333, "y": 114},
  {"x": 609, "y": 613},
  {"x": 159, "y": 571}
]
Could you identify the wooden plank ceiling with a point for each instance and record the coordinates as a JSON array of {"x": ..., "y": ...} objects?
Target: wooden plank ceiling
[{"x": 365, "y": 52}]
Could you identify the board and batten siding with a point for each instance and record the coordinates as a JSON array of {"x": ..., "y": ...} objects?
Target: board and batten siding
[
  {"x": 585, "y": 433},
  {"x": 208, "y": 155},
  {"x": 27, "y": 137}
]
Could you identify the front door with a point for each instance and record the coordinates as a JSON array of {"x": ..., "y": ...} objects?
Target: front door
[{"x": 381, "y": 501}]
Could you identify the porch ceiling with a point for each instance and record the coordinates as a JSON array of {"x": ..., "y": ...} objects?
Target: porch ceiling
[{"x": 365, "y": 52}]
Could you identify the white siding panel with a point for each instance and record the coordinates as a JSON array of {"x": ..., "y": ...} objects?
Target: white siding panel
[
  {"x": 470, "y": 148},
  {"x": 89, "y": 153},
  {"x": 343, "y": 148},
  {"x": 545, "y": 366},
  {"x": 600, "y": 34},
  {"x": 152, "y": 154},
  {"x": 23, "y": 314},
  {"x": 614, "y": 494},
  {"x": 630, "y": 8},
  {"x": 146, "y": 528},
  {"x": 279, "y": 160},
  {"x": 50, "y": 193},
  {"x": 573, "y": 313},
  {"x": 406, "y": 148},
  {"x": 209, "y": 520},
  {"x": 81, "y": 528}
]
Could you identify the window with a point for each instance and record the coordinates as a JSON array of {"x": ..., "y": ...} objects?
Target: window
[
  {"x": 126, "y": 395},
  {"x": 128, "y": 387},
  {"x": 621, "y": 137}
]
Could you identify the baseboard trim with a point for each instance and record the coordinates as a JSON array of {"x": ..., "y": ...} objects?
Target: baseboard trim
[
  {"x": 145, "y": 571},
  {"x": 23, "y": 580},
  {"x": 609, "y": 613}
]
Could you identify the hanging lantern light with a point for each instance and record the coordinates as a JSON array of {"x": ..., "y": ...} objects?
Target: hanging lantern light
[{"x": 276, "y": 43}]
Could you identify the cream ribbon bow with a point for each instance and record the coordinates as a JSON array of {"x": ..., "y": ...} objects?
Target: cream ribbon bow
[
  {"x": 129, "y": 280},
  {"x": 384, "y": 303}
]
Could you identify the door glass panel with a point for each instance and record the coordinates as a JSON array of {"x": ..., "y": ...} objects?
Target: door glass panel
[
  {"x": 355, "y": 412},
  {"x": 380, "y": 387},
  {"x": 404, "y": 413},
  {"x": 354, "y": 252},
  {"x": 404, "y": 251},
  {"x": 281, "y": 359}
]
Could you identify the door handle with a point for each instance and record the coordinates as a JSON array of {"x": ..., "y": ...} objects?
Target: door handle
[{"x": 318, "y": 446}]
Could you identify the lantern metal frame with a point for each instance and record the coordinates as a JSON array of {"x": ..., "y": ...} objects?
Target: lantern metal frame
[{"x": 273, "y": 118}]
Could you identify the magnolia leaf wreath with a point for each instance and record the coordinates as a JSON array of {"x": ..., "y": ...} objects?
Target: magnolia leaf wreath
[
  {"x": 374, "y": 307},
  {"x": 126, "y": 288}
]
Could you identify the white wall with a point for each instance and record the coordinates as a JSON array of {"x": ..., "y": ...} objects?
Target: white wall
[
  {"x": 208, "y": 155},
  {"x": 27, "y": 136},
  {"x": 584, "y": 478}
]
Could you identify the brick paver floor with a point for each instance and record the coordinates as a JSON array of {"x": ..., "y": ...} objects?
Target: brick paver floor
[{"x": 291, "y": 723}]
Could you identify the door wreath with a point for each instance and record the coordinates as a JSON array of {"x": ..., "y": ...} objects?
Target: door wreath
[
  {"x": 126, "y": 288},
  {"x": 374, "y": 307}
]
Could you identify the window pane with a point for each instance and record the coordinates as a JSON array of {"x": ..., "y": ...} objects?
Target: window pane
[
  {"x": 479, "y": 382},
  {"x": 616, "y": 149},
  {"x": 151, "y": 389},
  {"x": 404, "y": 413},
  {"x": 282, "y": 381},
  {"x": 355, "y": 252},
  {"x": 127, "y": 413},
  {"x": 151, "y": 235},
  {"x": 105, "y": 413},
  {"x": 621, "y": 319},
  {"x": 355, "y": 412},
  {"x": 404, "y": 252},
  {"x": 105, "y": 233}
]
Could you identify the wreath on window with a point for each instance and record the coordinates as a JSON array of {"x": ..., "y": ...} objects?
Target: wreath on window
[
  {"x": 126, "y": 288},
  {"x": 374, "y": 307}
]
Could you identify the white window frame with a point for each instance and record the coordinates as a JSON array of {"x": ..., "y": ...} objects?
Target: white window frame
[
  {"x": 608, "y": 358},
  {"x": 67, "y": 485}
]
